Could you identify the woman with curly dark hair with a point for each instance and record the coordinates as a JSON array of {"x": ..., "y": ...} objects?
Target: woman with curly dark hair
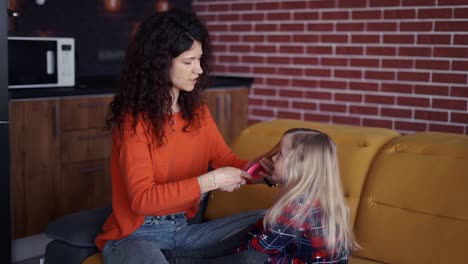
[{"x": 163, "y": 141}]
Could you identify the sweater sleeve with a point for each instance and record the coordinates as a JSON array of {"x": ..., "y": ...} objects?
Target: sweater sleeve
[
  {"x": 146, "y": 197},
  {"x": 221, "y": 155},
  {"x": 272, "y": 241}
]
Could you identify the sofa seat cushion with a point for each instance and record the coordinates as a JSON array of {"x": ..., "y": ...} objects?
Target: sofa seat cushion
[
  {"x": 79, "y": 229},
  {"x": 414, "y": 203},
  {"x": 354, "y": 260}
]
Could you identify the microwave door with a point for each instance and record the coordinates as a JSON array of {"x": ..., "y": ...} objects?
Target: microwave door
[{"x": 32, "y": 62}]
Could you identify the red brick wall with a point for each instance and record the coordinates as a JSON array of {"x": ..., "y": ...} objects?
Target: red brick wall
[{"x": 399, "y": 64}]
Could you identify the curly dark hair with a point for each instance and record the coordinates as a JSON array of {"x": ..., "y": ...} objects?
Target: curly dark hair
[{"x": 144, "y": 88}]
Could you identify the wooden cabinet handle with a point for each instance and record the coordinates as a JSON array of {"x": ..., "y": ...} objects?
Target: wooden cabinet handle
[
  {"x": 227, "y": 106},
  {"x": 88, "y": 138},
  {"x": 218, "y": 109},
  {"x": 88, "y": 170}
]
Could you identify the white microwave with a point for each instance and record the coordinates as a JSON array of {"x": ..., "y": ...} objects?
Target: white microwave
[{"x": 35, "y": 62}]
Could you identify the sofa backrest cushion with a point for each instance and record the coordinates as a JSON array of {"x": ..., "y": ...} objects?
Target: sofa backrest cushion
[
  {"x": 356, "y": 146},
  {"x": 414, "y": 206}
]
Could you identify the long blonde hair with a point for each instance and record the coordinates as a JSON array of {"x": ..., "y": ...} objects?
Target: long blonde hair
[{"x": 311, "y": 176}]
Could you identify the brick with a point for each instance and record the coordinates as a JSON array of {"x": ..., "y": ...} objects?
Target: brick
[
  {"x": 451, "y": 52},
  {"x": 367, "y": 14},
  {"x": 228, "y": 58},
  {"x": 263, "y": 70},
  {"x": 319, "y": 50},
  {"x": 348, "y": 97},
  {"x": 431, "y": 90},
  {"x": 304, "y": 105},
  {"x": 418, "y": 2},
  {"x": 459, "y": 65},
  {"x": 433, "y": 64},
  {"x": 384, "y": 3},
  {"x": 400, "y": 14},
  {"x": 452, "y": 2},
  {"x": 291, "y": 93},
  {"x": 459, "y": 39},
  {"x": 294, "y": 5},
  {"x": 410, "y": 126},
  {"x": 400, "y": 39},
  {"x": 414, "y": 52},
  {"x": 416, "y": 26},
  {"x": 278, "y": 16},
  {"x": 229, "y": 38},
  {"x": 379, "y": 75},
  {"x": 264, "y": 91},
  {"x": 365, "y": 39},
  {"x": 310, "y": 72},
  {"x": 382, "y": 26},
  {"x": 291, "y": 49},
  {"x": 292, "y": 27},
  {"x": 309, "y": 38},
  {"x": 334, "y": 38},
  {"x": 277, "y": 103},
  {"x": 306, "y": 15},
  {"x": 279, "y": 60},
  {"x": 354, "y": 3},
  {"x": 262, "y": 112},
  {"x": 446, "y": 128},
  {"x": 266, "y": 27},
  {"x": 414, "y": 101},
  {"x": 291, "y": 71},
  {"x": 317, "y": 117},
  {"x": 218, "y": 7},
  {"x": 449, "y": 104},
  {"x": 401, "y": 63},
  {"x": 256, "y": 102},
  {"x": 460, "y": 13},
  {"x": 253, "y": 38},
  {"x": 334, "y": 15},
  {"x": 364, "y": 62},
  {"x": 304, "y": 83},
  {"x": 435, "y": 13},
  {"x": 349, "y": 27},
  {"x": 267, "y": 6},
  {"x": 253, "y": 17},
  {"x": 451, "y": 26},
  {"x": 363, "y": 110},
  {"x": 334, "y": 61},
  {"x": 377, "y": 123},
  {"x": 265, "y": 48},
  {"x": 332, "y": 107},
  {"x": 289, "y": 115},
  {"x": 349, "y": 50},
  {"x": 242, "y": 6},
  {"x": 333, "y": 84},
  {"x": 459, "y": 118},
  {"x": 396, "y": 88},
  {"x": 305, "y": 60},
  {"x": 396, "y": 112},
  {"x": 385, "y": 51},
  {"x": 347, "y": 120},
  {"x": 313, "y": 95},
  {"x": 241, "y": 27},
  {"x": 431, "y": 115},
  {"x": 353, "y": 74},
  {"x": 459, "y": 91},
  {"x": 219, "y": 48},
  {"x": 319, "y": 27},
  {"x": 449, "y": 78},
  {"x": 279, "y": 38},
  {"x": 240, "y": 48},
  {"x": 321, "y": 4},
  {"x": 363, "y": 86},
  {"x": 277, "y": 81},
  {"x": 229, "y": 17},
  {"x": 253, "y": 59},
  {"x": 379, "y": 99},
  {"x": 413, "y": 76},
  {"x": 214, "y": 28}
]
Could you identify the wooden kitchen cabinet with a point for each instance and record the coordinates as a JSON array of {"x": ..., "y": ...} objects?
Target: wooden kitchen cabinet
[
  {"x": 59, "y": 159},
  {"x": 229, "y": 108}
]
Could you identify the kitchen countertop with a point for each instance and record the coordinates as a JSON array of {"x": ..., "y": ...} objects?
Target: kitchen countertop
[{"x": 104, "y": 85}]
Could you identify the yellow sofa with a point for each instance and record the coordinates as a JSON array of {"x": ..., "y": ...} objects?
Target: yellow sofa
[{"x": 408, "y": 194}]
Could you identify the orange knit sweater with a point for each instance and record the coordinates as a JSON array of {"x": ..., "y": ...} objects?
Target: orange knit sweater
[{"x": 149, "y": 180}]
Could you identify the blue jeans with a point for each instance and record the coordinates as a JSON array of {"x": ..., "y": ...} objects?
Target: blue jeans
[{"x": 173, "y": 232}]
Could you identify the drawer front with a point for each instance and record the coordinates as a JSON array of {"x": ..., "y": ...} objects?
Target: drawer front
[
  {"x": 83, "y": 112},
  {"x": 84, "y": 185},
  {"x": 82, "y": 145}
]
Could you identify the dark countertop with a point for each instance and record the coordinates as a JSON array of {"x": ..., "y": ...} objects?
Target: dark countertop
[{"x": 103, "y": 85}]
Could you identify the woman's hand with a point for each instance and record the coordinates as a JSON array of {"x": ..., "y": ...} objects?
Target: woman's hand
[{"x": 225, "y": 179}]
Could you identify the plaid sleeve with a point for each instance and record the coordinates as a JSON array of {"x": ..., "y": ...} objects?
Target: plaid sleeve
[{"x": 274, "y": 240}]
